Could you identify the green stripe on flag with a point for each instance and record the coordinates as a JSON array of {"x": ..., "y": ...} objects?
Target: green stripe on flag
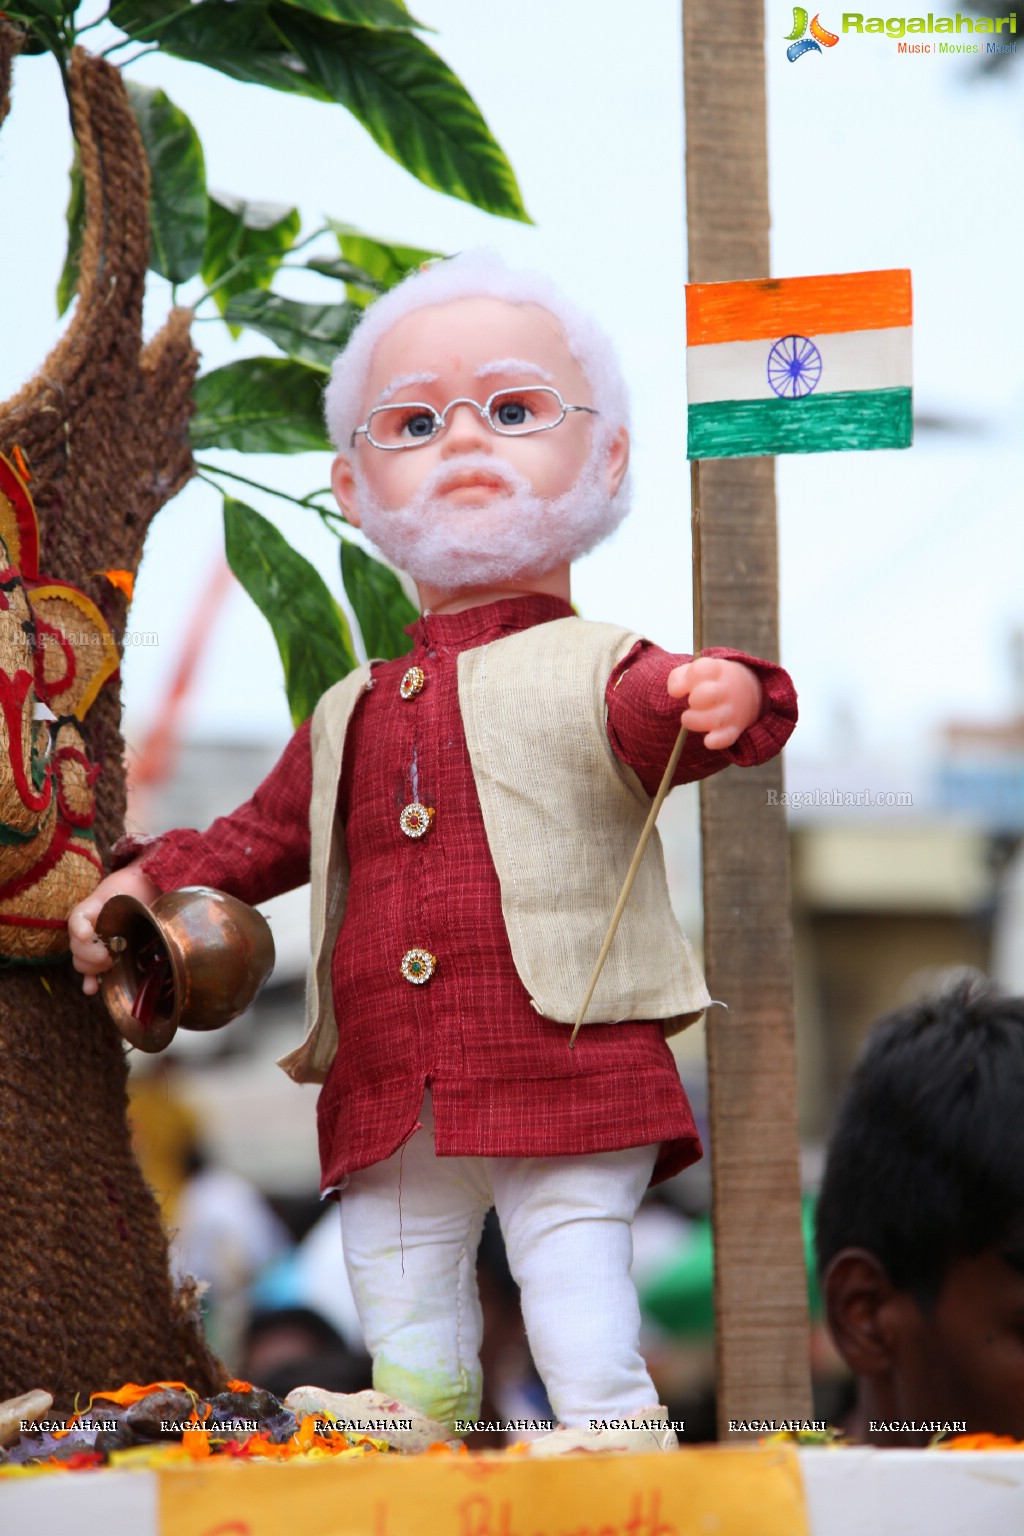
[{"x": 739, "y": 429}]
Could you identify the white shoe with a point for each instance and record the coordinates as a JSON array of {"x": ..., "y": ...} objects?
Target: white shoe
[
  {"x": 645, "y": 1431},
  {"x": 371, "y": 1413}
]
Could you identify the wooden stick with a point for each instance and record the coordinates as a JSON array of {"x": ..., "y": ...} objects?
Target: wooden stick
[
  {"x": 666, "y": 778},
  {"x": 627, "y": 885}
]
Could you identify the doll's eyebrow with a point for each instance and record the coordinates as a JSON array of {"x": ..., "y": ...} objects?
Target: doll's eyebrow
[
  {"x": 403, "y": 381},
  {"x": 512, "y": 365}
]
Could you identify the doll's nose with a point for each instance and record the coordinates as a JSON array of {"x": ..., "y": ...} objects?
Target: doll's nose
[{"x": 466, "y": 428}]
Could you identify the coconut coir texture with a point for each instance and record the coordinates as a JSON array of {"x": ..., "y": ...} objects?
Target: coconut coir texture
[{"x": 86, "y": 1301}]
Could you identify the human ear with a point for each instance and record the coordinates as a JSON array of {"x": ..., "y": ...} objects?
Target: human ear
[
  {"x": 343, "y": 484},
  {"x": 617, "y": 461},
  {"x": 859, "y": 1298}
]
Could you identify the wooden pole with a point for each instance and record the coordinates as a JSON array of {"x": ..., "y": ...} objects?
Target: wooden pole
[{"x": 761, "y": 1321}]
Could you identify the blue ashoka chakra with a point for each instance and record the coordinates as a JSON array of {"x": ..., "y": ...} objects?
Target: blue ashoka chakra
[{"x": 794, "y": 367}]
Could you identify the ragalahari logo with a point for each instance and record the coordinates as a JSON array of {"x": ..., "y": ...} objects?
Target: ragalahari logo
[{"x": 799, "y": 44}]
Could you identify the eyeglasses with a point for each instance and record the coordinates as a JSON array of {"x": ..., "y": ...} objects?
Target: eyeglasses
[{"x": 509, "y": 412}]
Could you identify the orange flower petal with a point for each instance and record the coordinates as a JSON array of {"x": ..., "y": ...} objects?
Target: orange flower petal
[
  {"x": 981, "y": 1443},
  {"x": 133, "y": 1393},
  {"x": 124, "y": 581}
]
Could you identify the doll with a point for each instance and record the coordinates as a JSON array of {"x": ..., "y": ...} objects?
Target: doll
[{"x": 465, "y": 816}]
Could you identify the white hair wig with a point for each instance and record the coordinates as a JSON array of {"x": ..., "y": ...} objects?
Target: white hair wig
[{"x": 473, "y": 274}]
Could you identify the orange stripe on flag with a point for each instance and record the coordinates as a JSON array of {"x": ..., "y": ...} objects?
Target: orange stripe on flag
[{"x": 807, "y": 306}]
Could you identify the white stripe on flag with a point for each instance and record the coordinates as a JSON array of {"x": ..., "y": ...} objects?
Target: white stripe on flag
[{"x": 738, "y": 370}]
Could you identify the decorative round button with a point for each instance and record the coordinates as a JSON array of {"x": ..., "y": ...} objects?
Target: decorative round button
[
  {"x": 418, "y": 966},
  {"x": 412, "y": 682},
  {"x": 415, "y": 819}
]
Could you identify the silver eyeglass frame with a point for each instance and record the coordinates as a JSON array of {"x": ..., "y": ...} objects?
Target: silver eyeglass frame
[{"x": 484, "y": 411}]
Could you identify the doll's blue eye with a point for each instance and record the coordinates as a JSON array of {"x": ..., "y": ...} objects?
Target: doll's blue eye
[
  {"x": 420, "y": 425},
  {"x": 510, "y": 413}
]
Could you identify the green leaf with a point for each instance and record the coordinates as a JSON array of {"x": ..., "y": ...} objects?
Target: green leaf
[
  {"x": 246, "y": 240},
  {"x": 236, "y": 37},
  {"x": 384, "y": 263},
  {"x": 311, "y": 631},
  {"x": 260, "y": 405},
  {"x": 378, "y": 601},
  {"x": 177, "y": 184},
  {"x": 310, "y": 333},
  {"x": 379, "y": 15},
  {"x": 31, "y": 11},
  {"x": 346, "y": 272},
  {"x": 418, "y": 111},
  {"x": 76, "y": 229}
]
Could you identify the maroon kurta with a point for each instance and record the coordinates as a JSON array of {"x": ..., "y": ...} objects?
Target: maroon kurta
[{"x": 503, "y": 1080}]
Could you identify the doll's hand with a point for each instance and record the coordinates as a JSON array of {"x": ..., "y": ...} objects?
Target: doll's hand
[
  {"x": 723, "y": 698},
  {"x": 88, "y": 955}
]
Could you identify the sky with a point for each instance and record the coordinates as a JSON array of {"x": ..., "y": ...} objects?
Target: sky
[{"x": 900, "y": 572}]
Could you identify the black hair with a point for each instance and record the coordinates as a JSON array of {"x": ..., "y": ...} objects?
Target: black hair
[{"x": 926, "y": 1162}]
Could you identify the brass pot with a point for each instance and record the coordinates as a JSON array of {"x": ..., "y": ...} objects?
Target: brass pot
[{"x": 195, "y": 958}]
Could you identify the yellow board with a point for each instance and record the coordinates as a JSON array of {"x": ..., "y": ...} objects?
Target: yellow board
[{"x": 743, "y": 1492}]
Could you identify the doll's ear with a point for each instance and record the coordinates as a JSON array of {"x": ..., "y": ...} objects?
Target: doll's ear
[
  {"x": 617, "y": 461},
  {"x": 343, "y": 484}
]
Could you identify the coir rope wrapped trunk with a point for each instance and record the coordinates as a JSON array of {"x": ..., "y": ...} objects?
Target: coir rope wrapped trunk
[{"x": 85, "y": 1295}]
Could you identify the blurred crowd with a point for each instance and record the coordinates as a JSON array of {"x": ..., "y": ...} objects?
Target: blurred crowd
[{"x": 915, "y": 1271}]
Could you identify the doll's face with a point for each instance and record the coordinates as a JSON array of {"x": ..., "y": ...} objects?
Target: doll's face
[
  {"x": 472, "y": 510},
  {"x": 468, "y": 349}
]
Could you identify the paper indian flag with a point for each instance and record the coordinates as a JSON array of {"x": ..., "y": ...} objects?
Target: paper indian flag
[{"x": 798, "y": 365}]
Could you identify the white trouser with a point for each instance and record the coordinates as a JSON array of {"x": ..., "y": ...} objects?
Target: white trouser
[{"x": 411, "y": 1228}]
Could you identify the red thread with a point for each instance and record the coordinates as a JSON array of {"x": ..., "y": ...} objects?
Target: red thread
[
  {"x": 50, "y": 859},
  {"x": 115, "y": 1200},
  {"x": 81, "y": 819},
  {"x": 86, "y": 854},
  {"x": 49, "y": 689},
  {"x": 24, "y": 516},
  {"x": 13, "y": 693}
]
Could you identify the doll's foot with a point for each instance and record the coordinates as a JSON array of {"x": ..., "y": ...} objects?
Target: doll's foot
[
  {"x": 372, "y": 1413},
  {"x": 645, "y": 1431}
]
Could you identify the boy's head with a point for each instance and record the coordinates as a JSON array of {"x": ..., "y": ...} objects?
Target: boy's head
[
  {"x": 481, "y": 426},
  {"x": 920, "y": 1222}
]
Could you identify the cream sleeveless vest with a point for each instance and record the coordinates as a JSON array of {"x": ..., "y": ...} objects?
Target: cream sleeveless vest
[{"x": 562, "y": 816}]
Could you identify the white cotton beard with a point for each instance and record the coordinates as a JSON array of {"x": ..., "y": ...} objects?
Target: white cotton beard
[{"x": 515, "y": 535}]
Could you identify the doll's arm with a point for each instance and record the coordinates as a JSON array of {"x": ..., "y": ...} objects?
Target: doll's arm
[
  {"x": 256, "y": 852},
  {"x": 88, "y": 955},
  {"x": 722, "y": 698},
  {"x": 644, "y": 717}
]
